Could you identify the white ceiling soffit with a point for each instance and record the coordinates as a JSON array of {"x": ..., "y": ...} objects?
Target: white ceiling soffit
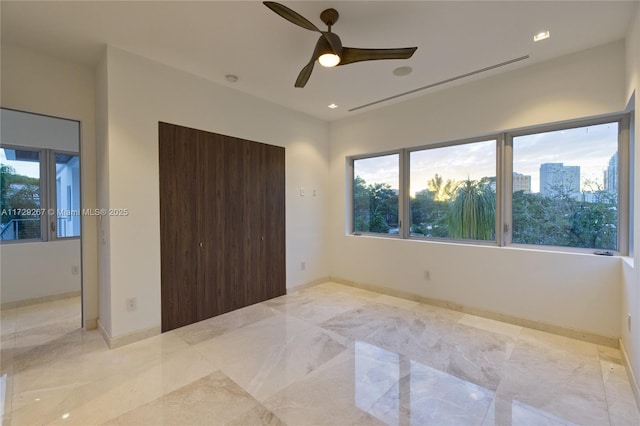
[{"x": 213, "y": 39}]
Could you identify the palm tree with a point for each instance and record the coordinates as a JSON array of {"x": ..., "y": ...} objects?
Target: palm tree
[
  {"x": 442, "y": 191},
  {"x": 472, "y": 212}
]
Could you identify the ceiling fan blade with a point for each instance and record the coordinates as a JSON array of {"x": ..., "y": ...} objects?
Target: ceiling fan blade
[
  {"x": 334, "y": 42},
  {"x": 352, "y": 54},
  {"x": 291, "y": 16},
  {"x": 304, "y": 75}
]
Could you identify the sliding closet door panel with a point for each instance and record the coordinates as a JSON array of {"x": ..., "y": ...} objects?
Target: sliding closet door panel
[
  {"x": 236, "y": 185},
  {"x": 274, "y": 213},
  {"x": 178, "y": 227},
  {"x": 254, "y": 223},
  {"x": 212, "y": 228}
]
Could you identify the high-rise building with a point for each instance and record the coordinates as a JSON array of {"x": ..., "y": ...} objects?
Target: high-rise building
[
  {"x": 556, "y": 179},
  {"x": 611, "y": 176},
  {"x": 521, "y": 182}
]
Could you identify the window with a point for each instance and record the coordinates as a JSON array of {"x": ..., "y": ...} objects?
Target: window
[
  {"x": 68, "y": 200},
  {"x": 376, "y": 186},
  {"x": 453, "y": 191},
  {"x": 21, "y": 217},
  {"x": 566, "y": 186},
  {"x": 26, "y": 213},
  {"x": 558, "y": 186}
]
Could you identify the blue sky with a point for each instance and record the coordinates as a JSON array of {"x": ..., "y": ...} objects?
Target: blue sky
[{"x": 589, "y": 147}]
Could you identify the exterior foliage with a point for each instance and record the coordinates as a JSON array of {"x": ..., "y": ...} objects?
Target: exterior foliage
[
  {"x": 19, "y": 193},
  {"x": 564, "y": 221},
  {"x": 472, "y": 212},
  {"x": 375, "y": 207},
  {"x": 467, "y": 210}
]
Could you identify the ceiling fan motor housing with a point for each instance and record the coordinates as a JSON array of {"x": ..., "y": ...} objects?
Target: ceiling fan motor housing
[{"x": 329, "y": 17}]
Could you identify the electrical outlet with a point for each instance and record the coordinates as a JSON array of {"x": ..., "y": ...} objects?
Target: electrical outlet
[
  {"x": 75, "y": 270},
  {"x": 132, "y": 304},
  {"x": 302, "y": 191},
  {"x": 427, "y": 275},
  {"x": 314, "y": 193}
]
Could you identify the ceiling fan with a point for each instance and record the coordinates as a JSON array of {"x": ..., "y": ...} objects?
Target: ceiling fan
[{"x": 329, "y": 50}]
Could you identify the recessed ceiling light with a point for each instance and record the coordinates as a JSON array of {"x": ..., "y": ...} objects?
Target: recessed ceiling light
[
  {"x": 541, "y": 36},
  {"x": 333, "y": 106},
  {"x": 402, "y": 71},
  {"x": 231, "y": 78}
]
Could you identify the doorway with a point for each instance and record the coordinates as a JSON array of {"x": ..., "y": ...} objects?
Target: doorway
[{"x": 40, "y": 226}]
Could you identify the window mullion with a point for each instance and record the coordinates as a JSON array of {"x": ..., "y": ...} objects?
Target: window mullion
[
  {"x": 623, "y": 185},
  {"x": 404, "y": 204},
  {"x": 45, "y": 194},
  {"x": 507, "y": 190}
]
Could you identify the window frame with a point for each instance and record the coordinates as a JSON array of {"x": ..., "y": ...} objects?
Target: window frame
[
  {"x": 504, "y": 185},
  {"x": 48, "y": 192},
  {"x": 486, "y": 138},
  {"x": 351, "y": 172},
  {"x": 52, "y": 199},
  {"x": 623, "y": 181}
]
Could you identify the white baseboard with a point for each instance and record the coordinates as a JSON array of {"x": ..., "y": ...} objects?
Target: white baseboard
[
  {"x": 125, "y": 339},
  {"x": 313, "y": 283},
  {"x": 37, "y": 300},
  {"x": 630, "y": 373},
  {"x": 90, "y": 324}
]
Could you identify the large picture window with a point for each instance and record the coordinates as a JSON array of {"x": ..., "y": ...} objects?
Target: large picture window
[
  {"x": 564, "y": 186},
  {"x": 453, "y": 191}
]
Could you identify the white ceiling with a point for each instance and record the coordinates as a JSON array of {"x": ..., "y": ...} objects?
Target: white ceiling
[{"x": 215, "y": 38}]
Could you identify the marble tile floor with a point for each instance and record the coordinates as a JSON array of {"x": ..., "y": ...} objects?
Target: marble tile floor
[{"x": 326, "y": 355}]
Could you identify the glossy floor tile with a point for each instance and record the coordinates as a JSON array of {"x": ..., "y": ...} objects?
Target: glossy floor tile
[{"x": 327, "y": 355}]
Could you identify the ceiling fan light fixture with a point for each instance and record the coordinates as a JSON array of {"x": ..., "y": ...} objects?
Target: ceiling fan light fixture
[{"x": 329, "y": 60}]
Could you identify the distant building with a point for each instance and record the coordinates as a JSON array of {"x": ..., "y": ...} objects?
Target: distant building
[
  {"x": 611, "y": 176},
  {"x": 521, "y": 182},
  {"x": 590, "y": 197},
  {"x": 556, "y": 178}
]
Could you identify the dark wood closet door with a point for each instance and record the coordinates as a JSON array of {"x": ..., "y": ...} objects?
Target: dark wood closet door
[
  {"x": 251, "y": 221},
  {"x": 237, "y": 224},
  {"x": 213, "y": 230},
  {"x": 178, "y": 227},
  {"x": 273, "y": 249}
]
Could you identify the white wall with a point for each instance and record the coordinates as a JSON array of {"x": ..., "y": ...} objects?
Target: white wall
[
  {"x": 630, "y": 268},
  {"x": 571, "y": 290},
  {"x": 102, "y": 187},
  {"x": 141, "y": 93},
  {"x": 41, "y": 84},
  {"x": 34, "y": 270}
]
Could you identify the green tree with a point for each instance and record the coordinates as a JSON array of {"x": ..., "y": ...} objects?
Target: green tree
[
  {"x": 564, "y": 220},
  {"x": 360, "y": 205},
  {"x": 472, "y": 211},
  {"x": 375, "y": 207},
  {"x": 19, "y": 192},
  {"x": 428, "y": 216},
  {"x": 442, "y": 191}
]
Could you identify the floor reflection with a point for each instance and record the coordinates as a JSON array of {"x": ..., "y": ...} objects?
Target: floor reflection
[{"x": 327, "y": 355}]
